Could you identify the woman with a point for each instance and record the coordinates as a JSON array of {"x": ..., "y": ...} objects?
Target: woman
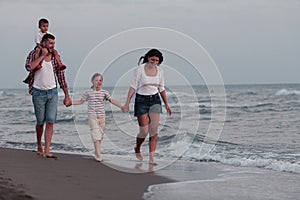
[{"x": 148, "y": 83}]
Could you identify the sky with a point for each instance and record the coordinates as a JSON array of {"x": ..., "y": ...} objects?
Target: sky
[{"x": 250, "y": 41}]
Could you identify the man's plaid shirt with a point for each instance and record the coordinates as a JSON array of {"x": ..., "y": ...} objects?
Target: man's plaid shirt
[{"x": 30, "y": 78}]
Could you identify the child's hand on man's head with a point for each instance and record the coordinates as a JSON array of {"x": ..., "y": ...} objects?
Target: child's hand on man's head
[{"x": 45, "y": 51}]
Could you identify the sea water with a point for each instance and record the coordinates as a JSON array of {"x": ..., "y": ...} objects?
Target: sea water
[{"x": 261, "y": 128}]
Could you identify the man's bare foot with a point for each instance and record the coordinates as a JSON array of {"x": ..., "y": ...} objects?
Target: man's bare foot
[
  {"x": 40, "y": 151},
  {"x": 138, "y": 154},
  {"x": 50, "y": 156}
]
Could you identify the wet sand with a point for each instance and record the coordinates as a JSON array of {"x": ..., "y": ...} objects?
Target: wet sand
[{"x": 26, "y": 175}]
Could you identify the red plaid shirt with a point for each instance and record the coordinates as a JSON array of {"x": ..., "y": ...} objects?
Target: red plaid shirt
[{"x": 30, "y": 78}]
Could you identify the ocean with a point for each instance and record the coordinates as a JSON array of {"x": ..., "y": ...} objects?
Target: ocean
[{"x": 261, "y": 128}]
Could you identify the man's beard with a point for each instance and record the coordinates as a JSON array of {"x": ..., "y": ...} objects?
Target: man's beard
[{"x": 50, "y": 50}]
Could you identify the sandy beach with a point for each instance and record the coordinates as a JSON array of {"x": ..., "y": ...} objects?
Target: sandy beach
[{"x": 25, "y": 175}]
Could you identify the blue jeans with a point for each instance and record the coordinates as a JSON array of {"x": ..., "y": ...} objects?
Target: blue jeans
[{"x": 45, "y": 105}]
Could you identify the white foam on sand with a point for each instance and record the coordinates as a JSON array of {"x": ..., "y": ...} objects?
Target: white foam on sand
[
  {"x": 235, "y": 183},
  {"x": 210, "y": 180},
  {"x": 130, "y": 164}
]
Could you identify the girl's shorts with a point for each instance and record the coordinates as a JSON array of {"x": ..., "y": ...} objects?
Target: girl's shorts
[
  {"x": 97, "y": 126},
  {"x": 147, "y": 104}
]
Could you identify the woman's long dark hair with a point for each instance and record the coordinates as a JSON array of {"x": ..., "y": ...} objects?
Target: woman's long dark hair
[{"x": 151, "y": 53}]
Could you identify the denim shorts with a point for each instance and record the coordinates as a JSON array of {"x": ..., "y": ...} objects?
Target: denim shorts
[
  {"x": 45, "y": 105},
  {"x": 147, "y": 104}
]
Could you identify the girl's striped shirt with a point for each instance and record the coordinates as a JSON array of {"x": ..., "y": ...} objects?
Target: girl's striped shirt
[{"x": 96, "y": 102}]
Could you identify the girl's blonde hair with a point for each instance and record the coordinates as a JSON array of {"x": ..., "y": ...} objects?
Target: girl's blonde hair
[{"x": 94, "y": 76}]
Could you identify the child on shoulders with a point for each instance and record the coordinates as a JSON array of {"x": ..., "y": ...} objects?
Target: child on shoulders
[{"x": 43, "y": 29}]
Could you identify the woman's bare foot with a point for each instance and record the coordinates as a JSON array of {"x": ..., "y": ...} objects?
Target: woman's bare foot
[
  {"x": 139, "y": 166},
  {"x": 151, "y": 159},
  {"x": 153, "y": 163},
  {"x": 138, "y": 154}
]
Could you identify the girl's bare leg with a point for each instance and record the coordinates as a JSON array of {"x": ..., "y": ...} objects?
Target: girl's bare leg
[{"x": 97, "y": 150}]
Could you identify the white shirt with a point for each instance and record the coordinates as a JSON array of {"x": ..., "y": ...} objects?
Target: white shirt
[
  {"x": 44, "y": 78},
  {"x": 39, "y": 36},
  {"x": 147, "y": 85}
]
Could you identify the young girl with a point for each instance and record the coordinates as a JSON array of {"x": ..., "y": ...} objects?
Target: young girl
[{"x": 96, "y": 114}]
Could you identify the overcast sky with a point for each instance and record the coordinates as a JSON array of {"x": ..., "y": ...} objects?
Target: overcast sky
[{"x": 251, "y": 41}]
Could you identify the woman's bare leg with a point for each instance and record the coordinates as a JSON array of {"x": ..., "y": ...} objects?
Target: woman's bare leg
[
  {"x": 153, "y": 130},
  {"x": 143, "y": 124}
]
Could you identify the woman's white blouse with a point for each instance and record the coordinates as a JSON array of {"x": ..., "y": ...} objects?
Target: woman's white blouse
[{"x": 147, "y": 85}]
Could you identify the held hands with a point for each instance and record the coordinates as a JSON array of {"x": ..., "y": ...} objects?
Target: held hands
[
  {"x": 125, "y": 108},
  {"x": 67, "y": 101}
]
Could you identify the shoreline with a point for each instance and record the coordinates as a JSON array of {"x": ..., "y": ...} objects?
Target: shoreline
[{"x": 25, "y": 174}]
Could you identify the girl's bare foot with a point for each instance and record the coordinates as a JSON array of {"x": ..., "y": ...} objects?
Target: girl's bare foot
[{"x": 98, "y": 159}]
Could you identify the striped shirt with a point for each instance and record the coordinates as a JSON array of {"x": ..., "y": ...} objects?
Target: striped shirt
[
  {"x": 60, "y": 74},
  {"x": 96, "y": 102}
]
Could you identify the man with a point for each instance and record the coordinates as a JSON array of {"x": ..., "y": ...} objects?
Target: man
[{"x": 42, "y": 83}]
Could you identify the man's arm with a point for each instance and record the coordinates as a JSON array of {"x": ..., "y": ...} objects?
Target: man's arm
[
  {"x": 63, "y": 85},
  {"x": 67, "y": 99}
]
